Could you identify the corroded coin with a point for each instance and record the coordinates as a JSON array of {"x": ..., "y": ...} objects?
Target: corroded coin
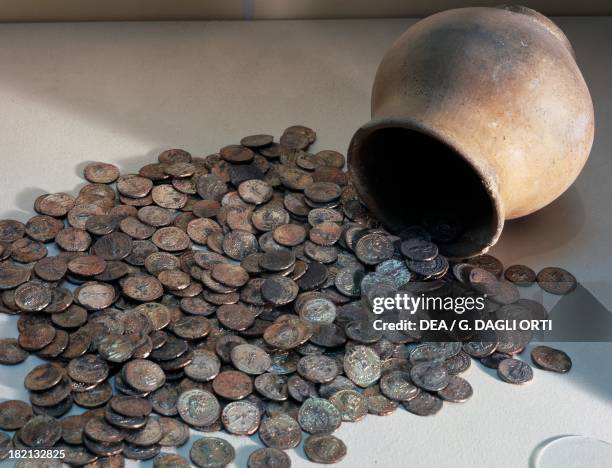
[
  {"x": 458, "y": 390},
  {"x": 319, "y": 416},
  {"x": 318, "y": 368},
  {"x": 233, "y": 385},
  {"x": 362, "y": 366},
  {"x": 170, "y": 460},
  {"x": 211, "y": 452},
  {"x": 11, "y": 352},
  {"x": 43, "y": 377},
  {"x": 88, "y": 369},
  {"x": 250, "y": 359},
  {"x": 556, "y": 280},
  {"x": 520, "y": 274},
  {"x": 424, "y": 404},
  {"x": 419, "y": 249},
  {"x": 352, "y": 405},
  {"x": 101, "y": 173},
  {"x": 198, "y": 407},
  {"x": 551, "y": 359},
  {"x": 143, "y": 375},
  {"x": 514, "y": 371},
  {"x": 14, "y": 414},
  {"x": 429, "y": 375},
  {"x": 174, "y": 432},
  {"x": 373, "y": 248},
  {"x": 398, "y": 386},
  {"x": 204, "y": 366},
  {"x": 268, "y": 458},
  {"x": 41, "y": 432},
  {"x": 324, "y": 449},
  {"x": 280, "y": 432},
  {"x": 32, "y": 296},
  {"x": 241, "y": 417},
  {"x": 279, "y": 290},
  {"x": 272, "y": 386}
]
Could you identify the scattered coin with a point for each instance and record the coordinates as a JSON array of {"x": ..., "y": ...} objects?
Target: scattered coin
[
  {"x": 424, "y": 404},
  {"x": 556, "y": 280},
  {"x": 324, "y": 448},
  {"x": 268, "y": 458},
  {"x": 551, "y": 359},
  {"x": 211, "y": 452},
  {"x": 514, "y": 371}
]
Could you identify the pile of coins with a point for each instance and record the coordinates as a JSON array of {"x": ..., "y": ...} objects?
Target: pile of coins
[{"x": 234, "y": 292}]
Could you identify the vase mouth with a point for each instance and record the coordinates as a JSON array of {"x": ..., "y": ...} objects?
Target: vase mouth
[{"x": 408, "y": 174}]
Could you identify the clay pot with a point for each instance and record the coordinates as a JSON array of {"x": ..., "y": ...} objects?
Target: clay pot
[{"x": 478, "y": 115}]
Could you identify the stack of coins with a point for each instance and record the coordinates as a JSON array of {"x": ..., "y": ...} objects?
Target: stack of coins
[{"x": 236, "y": 292}]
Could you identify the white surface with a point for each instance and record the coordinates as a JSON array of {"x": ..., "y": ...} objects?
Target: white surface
[{"x": 73, "y": 93}]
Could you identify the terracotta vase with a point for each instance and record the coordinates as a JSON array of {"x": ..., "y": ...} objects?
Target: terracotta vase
[{"x": 478, "y": 115}]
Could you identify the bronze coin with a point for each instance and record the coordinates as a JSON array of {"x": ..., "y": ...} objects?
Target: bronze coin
[
  {"x": 167, "y": 196},
  {"x": 289, "y": 234},
  {"x": 131, "y": 406},
  {"x": 330, "y": 158},
  {"x": 53, "y": 396},
  {"x": 235, "y": 316},
  {"x": 171, "y": 239},
  {"x": 36, "y": 336},
  {"x": 156, "y": 262},
  {"x": 101, "y": 173},
  {"x": 326, "y": 233},
  {"x": 233, "y": 385},
  {"x": 520, "y": 275},
  {"x": 211, "y": 187},
  {"x": 556, "y": 280},
  {"x": 41, "y": 432},
  {"x": 95, "y": 295},
  {"x": 43, "y": 228},
  {"x": 26, "y": 250},
  {"x": 89, "y": 368},
  {"x": 10, "y": 352},
  {"x": 87, "y": 265},
  {"x": 230, "y": 275},
  {"x": 54, "y": 204},
  {"x": 143, "y": 375},
  {"x": 489, "y": 263},
  {"x": 73, "y": 239},
  {"x": 12, "y": 276},
  {"x": 43, "y": 377},
  {"x": 114, "y": 246},
  {"x": 236, "y": 154},
  {"x": 174, "y": 279},
  {"x": 180, "y": 169},
  {"x": 256, "y": 141},
  {"x": 315, "y": 276},
  {"x": 11, "y": 230},
  {"x": 51, "y": 268},
  {"x": 322, "y": 192},
  {"x": 135, "y": 228},
  {"x": 99, "y": 430},
  {"x": 57, "y": 346},
  {"x": 72, "y": 429},
  {"x": 103, "y": 449},
  {"x": 156, "y": 215},
  {"x": 279, "y": 290},
  {"x": 32, "y": 296},
  {"x": 80, "y": 213},
  {"x": 78, "y": 344},
  {"x": 255, "y": 191},
  {"x": 239, "y": 244},
  {"x": 14, "y": 414},
  {"x": 142, "y": 287},
  {"x": 134, "y": 186},
  {"x": 94, "y": 397},
  {"x": 206, "y": 208},
  {"x": 192, "y": 327},
  {"x": 199, "y": 229},
  {"x": 175, "y": 155}
]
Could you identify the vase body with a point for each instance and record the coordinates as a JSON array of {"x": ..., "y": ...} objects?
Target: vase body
[{"x": 478, "y": 115}]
